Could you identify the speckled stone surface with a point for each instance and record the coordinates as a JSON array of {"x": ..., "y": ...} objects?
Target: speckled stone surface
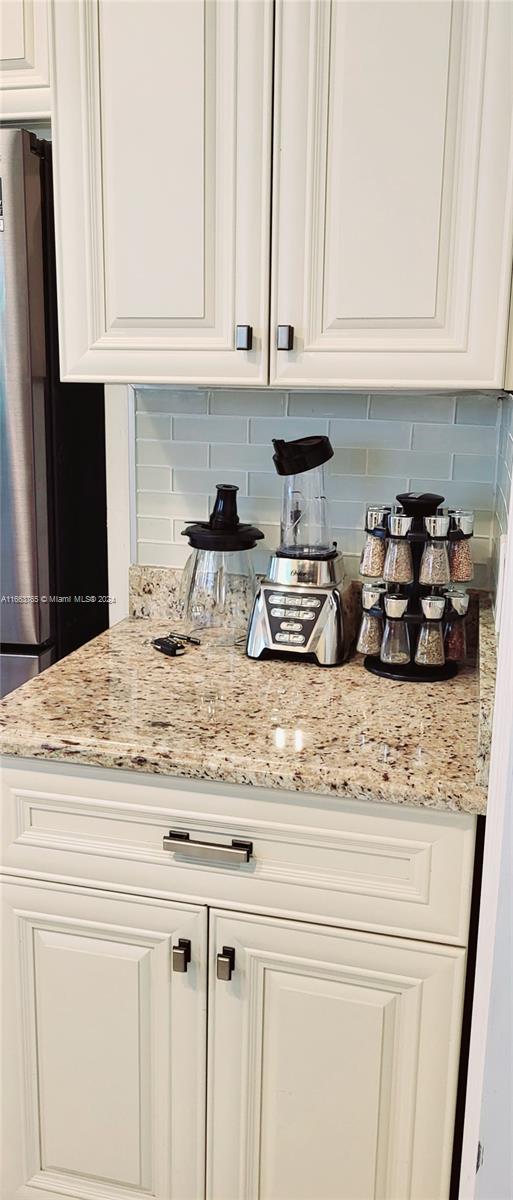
[
  {"x": 216, "y": 715},
  {"x": 154, "y": 592},
  {"x": 487, "y": 680}
]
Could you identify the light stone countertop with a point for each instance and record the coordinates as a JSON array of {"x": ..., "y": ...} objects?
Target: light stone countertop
[
  {"x": 216, "y": 715},
  {"x": 487, "y": 680}
]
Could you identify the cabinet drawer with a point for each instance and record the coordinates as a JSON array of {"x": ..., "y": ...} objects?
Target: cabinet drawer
[{"x": 350, "y": 863}]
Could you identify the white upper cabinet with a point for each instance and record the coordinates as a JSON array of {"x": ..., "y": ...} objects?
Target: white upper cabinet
[
  {"x": 391, "y": 210},
  {"x": 24, "y": 60},
  {"x": 162, "y": 173},
  {"x": 392, "y": 201}
]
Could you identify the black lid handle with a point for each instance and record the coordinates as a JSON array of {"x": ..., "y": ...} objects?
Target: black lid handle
[{"x": 224, "y": 513}]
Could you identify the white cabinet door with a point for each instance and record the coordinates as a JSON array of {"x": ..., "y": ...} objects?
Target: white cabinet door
[
  {"x": 392, "y": 210},
  {"x": 104, "y": 1046},
  {"x": 333, "y": 1060},
  {"x": 24, "y": 60},
  {"x": 162, "y": 165}
]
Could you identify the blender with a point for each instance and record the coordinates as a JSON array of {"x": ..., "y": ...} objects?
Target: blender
[{"x": 298, "y": 607}]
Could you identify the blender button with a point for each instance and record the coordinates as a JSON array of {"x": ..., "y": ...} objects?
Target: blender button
[
  {"x": 297, "y": 614},
  {"x": 307, "y": 616},
  {"x": 290, "y": 600},
  {"x": 312, "y": 603},
  {"x": 282, "y": 637},
  {"x": 278, "y": 612},
  {"x": 277, "y": 599},
  {"x": 290, "y": 625},
  {"x": 297, "y": 638}
]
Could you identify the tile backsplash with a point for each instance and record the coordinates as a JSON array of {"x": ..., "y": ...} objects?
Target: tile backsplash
[{"x": 189, "y": 440}]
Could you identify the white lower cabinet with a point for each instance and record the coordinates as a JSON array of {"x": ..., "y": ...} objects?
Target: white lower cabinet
[
  {"x": 330, "y": 940},
  {"x": 333, "y": 1059},
  {"x": 333, "y": 1054},
  {"x": 103, "y": 1046}
]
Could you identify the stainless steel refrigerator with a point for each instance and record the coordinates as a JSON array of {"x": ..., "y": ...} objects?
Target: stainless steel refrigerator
[{"x": 53, "y": 566}]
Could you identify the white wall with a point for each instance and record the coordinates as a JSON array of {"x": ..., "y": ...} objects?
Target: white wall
[{"x": 495, "y": 1177}]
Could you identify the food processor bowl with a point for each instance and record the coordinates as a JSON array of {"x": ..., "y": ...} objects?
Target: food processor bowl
[{"x": 218, "y": 584}]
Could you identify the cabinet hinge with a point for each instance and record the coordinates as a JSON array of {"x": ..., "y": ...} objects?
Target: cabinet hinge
[{"x": 480, "y": 1156}]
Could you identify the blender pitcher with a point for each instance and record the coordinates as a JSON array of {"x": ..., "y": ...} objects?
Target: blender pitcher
[{"x": 305, "y": 528}]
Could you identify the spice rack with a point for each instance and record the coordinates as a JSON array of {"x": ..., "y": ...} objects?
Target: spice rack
[{"x": 415, "y": 558}]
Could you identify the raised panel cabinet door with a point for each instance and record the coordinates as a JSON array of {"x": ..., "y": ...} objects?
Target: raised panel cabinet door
[
  {"x": 25, "y": 92},
  {"x": 162, "y": 136},
  {"x": 103, "y": 1046},
  {"x": 392, "y": 209},
  {"x": 333, "y": 1061}
]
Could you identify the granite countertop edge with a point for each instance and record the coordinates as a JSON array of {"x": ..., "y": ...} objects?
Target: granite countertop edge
[{"x": 300, "y": 781}]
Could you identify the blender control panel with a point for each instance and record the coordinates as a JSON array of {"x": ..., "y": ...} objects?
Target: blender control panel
[{"x": 292, "y": 616}]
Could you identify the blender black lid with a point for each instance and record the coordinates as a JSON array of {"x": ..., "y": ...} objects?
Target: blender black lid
[
  {"x": 223, "y": 530},
  {"x": 292, "y": 458}
]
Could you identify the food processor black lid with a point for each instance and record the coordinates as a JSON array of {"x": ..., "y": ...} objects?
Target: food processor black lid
[
  {"x": 223, "y": 530},
  {"x": 292, "y": 458}
]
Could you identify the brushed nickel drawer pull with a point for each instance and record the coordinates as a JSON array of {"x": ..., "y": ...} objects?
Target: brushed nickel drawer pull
[{"x": 180, "y": 842}]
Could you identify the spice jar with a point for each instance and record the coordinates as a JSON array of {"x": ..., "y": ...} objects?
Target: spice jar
[
  {"x": 460, "y": 560},
  {"x": 371, "y": 628},
  {"x": 460, "y": 553},
  {"x": 370, "y": 635},
  {"x": 430, "y": 646},
  {"x": 455, "y": 642},
  {"x": 395, "y": 647},
  {"x": 372, "y": 560},
  {"x": 398, "y": 566},
  {"x": 434, "y": 566}
]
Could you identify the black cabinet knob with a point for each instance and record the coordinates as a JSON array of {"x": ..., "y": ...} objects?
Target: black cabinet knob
[
  {"x": 243, "y": 337},
  {"x": 285, "y": 337},
  {"x": 226, "y": 963},
  {"x": 181, "y": 955}
]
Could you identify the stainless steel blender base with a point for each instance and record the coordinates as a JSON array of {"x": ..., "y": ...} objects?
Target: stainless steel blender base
[{"x": 293, "y": 614}]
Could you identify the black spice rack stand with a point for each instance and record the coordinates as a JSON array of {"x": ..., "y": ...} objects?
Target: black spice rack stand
[{"x": 417, "y": 507}]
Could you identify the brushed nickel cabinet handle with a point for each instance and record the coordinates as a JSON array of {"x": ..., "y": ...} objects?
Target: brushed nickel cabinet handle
[
  {"x": 226, "y": 963},
  {"x": 181, "y": 955},
  {"x": 285, "y": 337},
  {"x": 181, "y": 843},
  {"x": 243, "y": 337}
]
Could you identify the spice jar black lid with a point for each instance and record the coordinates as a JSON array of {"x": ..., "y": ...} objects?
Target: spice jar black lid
[{"x": 223, "y": 530}]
